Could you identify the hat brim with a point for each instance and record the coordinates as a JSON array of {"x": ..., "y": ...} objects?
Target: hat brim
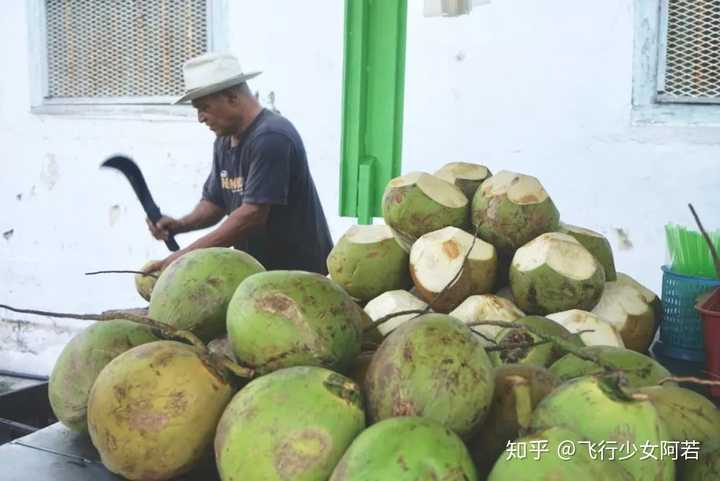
[{"x": 214, "y": 88}]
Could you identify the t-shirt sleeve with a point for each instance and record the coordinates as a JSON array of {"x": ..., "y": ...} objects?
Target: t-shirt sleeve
[
  {"x": 268, "y": 179},
  {"x": 212, "y": 190}
]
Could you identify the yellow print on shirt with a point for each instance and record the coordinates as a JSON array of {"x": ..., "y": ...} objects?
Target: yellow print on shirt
[{"x": 234, "y": 184}]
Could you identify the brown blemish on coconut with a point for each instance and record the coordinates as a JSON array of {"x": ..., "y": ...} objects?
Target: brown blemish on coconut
[
  {"x": 301, "y": 452},
  {"x": 451, "y": 248}
]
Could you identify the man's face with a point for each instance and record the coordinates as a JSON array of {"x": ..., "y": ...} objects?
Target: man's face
[{"x": 218, "y": 112}]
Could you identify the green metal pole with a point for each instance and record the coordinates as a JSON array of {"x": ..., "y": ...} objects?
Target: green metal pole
[{"x": 373, "y": 98}]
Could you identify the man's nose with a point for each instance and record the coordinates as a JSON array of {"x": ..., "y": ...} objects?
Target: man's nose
[{"x": 201, "y": 117}]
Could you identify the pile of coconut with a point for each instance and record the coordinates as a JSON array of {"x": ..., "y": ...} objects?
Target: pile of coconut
[
  {"x": 490, "y": 247},
  {"x": 470, "y": 319}
]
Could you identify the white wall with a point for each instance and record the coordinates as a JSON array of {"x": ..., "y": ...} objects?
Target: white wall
[{"x": 537, "y": 87}]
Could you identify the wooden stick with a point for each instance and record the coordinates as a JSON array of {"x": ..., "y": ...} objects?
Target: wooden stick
[
  {"x": 690, "y": 380},
  {"x": 710, "y": 244},
  {"x": 150, "y": 274}
]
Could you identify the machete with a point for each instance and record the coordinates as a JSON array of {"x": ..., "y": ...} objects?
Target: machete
[{"x": 137, "y": 181}]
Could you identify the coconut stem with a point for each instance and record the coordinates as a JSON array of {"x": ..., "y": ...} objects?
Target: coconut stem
[
  {"x": 134, "y": 316},
  {"x": 523, "y": 400},
  {"x": 558, "y": 341},
  {"x": 146, "y": 274},
  {"x": 690, "y": 380}
]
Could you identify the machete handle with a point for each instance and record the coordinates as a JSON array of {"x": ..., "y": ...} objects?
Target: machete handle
[{"x": 171, "y": 244}]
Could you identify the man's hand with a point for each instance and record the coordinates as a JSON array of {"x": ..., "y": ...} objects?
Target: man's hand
[
  {"x": 162, "y": 229},
  {"x": 160, "y": 266}
]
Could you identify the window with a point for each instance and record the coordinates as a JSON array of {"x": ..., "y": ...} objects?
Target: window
[
  {"x": 677, "y": 62},
  {"x": 119, "y": 52},
  {"x": 689, "y": 51}
]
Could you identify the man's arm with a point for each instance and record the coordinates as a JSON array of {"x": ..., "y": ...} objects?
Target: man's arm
[
  {"x": 205, "y": 214},
  {"x": 235, "y": 228}
]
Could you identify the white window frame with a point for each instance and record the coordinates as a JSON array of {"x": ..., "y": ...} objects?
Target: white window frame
[
  {"x": 122, "y": 107},
  {"x": 648, "y": 107}
]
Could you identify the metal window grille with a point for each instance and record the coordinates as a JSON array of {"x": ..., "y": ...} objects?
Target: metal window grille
[
  {"x": 690, "y": 51},
  {"x": 128, "y": 49}
]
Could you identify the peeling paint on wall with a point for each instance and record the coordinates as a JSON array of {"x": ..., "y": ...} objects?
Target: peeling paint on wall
[
  {"x": 50, "y": 172},
  {"x": 623, "y": 239},
  {"x": 115, "y": 213}
]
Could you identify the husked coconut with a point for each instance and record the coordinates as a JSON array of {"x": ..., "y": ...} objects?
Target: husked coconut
[
  {"x": 601, "y": 332},
  {"x": 153, "y": 410},
  {"x": 511, "y": 209},
  {"x": 144, "y": 283},
  {"x": 599, "y": 410},
  {"x": 280, "y": 319},
  {"x": 434, "y": 367},
  {"x": 418, "y": 203},
  {"x": 486, "y": 307},
  {"x": 367, "y": 261},
  {"x": 391, "y": 302},
  {"x": 597, "y": 244},
  {"x": 406, "y": 449},
  {"x": 631, "y": 308},
  {"x": 555, "y": 273},
  {"x": 464, "y": 175},
  {"x": 438, "y": 256}
]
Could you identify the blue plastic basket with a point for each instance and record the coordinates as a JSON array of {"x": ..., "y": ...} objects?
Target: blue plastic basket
[{"x": 681, "y": 328}]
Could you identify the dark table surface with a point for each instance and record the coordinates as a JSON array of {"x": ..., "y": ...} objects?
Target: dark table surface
[{"x": 57, "y": 454}]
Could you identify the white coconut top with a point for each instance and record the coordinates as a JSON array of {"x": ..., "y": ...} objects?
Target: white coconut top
[
  {"x": 368, "y": 234},
  {"x": 561, "y": 252},
  {"x": 646, "y": 293},
  {"x": 603, "y": 332},
  {"x": 581, "y": 230},
  {"x": 519, "y": 188},
  {"x": 487, "y": 307},
  {"x": 437, "y": 256},
  {"x": 462, "y": 170},
  {"x": 620, "y": 301},
  {"x": 440, "y": 191},
  {"x": 391, "y": 302}
]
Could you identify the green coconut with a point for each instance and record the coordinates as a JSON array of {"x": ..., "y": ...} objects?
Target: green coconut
[
  {"x": 153, "y": 410},
  {"x": 632, "y": 309},
  {"x": 597, "y": 244},
  {"x": 406, "y": 449},
  {"x": 281, "y": 319},
  {"x": 418, "y": 203},
  {"x": 144, "y": 284},
  {"x": 487, "y": 308},
  {"x": 193, "y": 292},
  {"x": 367, "y": 261},
  {"x": 437, "y": 257},
  {"x": 705, "y": 468},
  {"x": 639, "y": 370},
  {"x": 555, "y": 273},
  {"x": 594, "y": 331},
  {"x": 359, "y": 368},
  {"x": 510, "y": 209},
  {"x": 80, "y": 362},
  {"x": 464, "y": 175},
  {"x": 599, "y": 411},
  {"x": 435, "y": 367},
  {"x": 689, "y": 416},
  {"x": 518, "y": 389},
  {"x": 543, "y": 354},
  {"x": 545, "y": 458},
  {"x": 292, "y": 424},
  {"x": 392, "y": 302}
]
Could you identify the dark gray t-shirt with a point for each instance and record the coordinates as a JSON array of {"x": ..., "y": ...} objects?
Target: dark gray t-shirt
[{"x": 269, "y": 166}]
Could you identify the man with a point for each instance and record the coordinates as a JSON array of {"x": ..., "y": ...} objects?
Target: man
[{"x": 260, "y": 176}]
